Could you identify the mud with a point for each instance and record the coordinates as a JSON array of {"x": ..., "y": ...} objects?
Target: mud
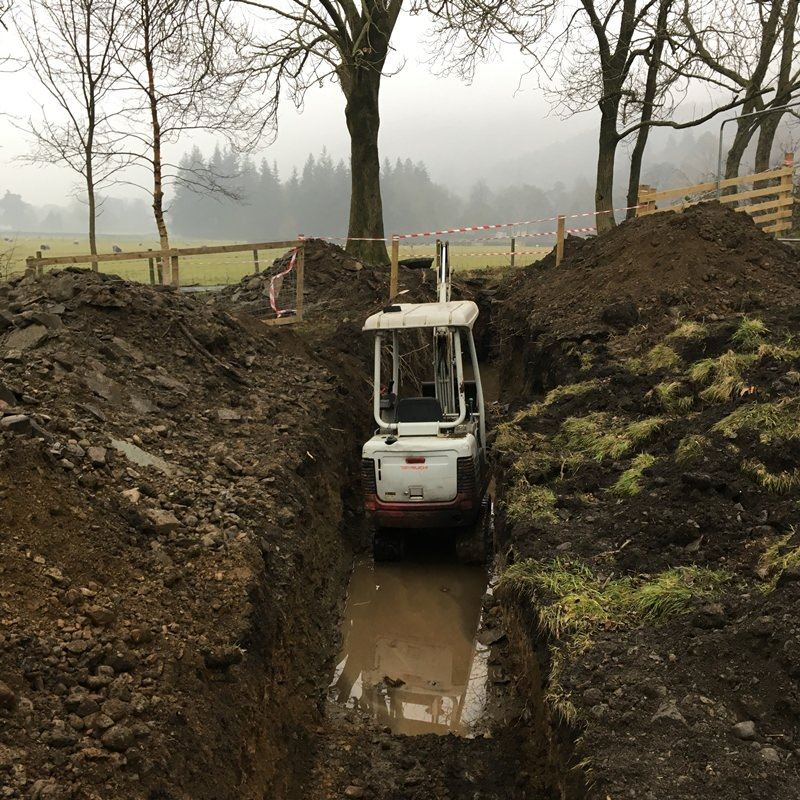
[{"x": 410, "y": 657}]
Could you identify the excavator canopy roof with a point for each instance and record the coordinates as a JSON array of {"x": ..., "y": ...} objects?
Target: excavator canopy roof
[{"x": 456, "y": 313}]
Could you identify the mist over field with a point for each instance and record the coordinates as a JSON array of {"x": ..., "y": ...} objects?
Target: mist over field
[{"x": 274, "y": 199}]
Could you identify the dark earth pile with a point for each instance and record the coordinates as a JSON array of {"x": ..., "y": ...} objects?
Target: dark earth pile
[
  {"x": 706, "y": 260},
  {"x": 176, "y": 529},
  {"x": 165, "y": 477},
  {"x": 337, "y": 286},
  {"x": 651, "y": 505}
]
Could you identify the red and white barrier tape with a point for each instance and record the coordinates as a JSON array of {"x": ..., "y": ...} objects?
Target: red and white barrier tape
[
  {"x": 472, "y": 228},
  {"x": 507, "y": 254},
  {"x": 278, "y": 279},
  {"x": 526, "y": 235},
  {"x": 527, "y": 252}
]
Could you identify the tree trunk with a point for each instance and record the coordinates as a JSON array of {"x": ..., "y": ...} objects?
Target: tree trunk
[
  {"x": 744, "y": 133},
  {"x": 604, "y": 187},
  {"x": 636, "y": 170},
  {"x": 91, "y": 201},
  {"x": 648, "y": 104},
  {"x": 155, "y": 122},
  {"x": 92, "y": 205},
  {"x": 366, "y": 208},
  {"x": 783, "y": 95},
  {"x": 766, "y": 139}
]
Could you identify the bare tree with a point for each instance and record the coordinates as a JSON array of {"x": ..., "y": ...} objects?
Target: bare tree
[
  {"x": 588, "y": 55},
  {"x": 177, "y": 62},
  {"x": 70, "y": 48},
  {"x": 655, "y": 92},
  {"x": 735, "y": 48},
  {"x": 617, "y": 56},
  {"x": 348, "y": 42},
  {"x": 787, "y": 82}
]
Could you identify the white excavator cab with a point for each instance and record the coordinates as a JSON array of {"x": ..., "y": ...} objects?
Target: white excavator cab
[{"x": 425, "y": 466}]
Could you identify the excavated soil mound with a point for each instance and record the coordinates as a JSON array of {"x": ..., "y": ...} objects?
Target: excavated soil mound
[
  {"x": 174, "y": 476},
  {"x": 337, "y": 286},
  {"x": 650, "y": 490},
  {"x": 170, "y": 506},
  {"x": 706, "y": 260}
]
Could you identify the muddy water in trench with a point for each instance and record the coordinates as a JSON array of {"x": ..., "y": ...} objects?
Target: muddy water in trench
[{"x": 409, "y": 654}]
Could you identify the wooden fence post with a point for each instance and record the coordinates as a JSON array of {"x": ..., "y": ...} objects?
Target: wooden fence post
[
  {"x": 560, "y": 239},
  {"x": 151, "y": 267},
  {"x": 640, "y": 199},
  {"x": 39, "y": 267},
  {"x": 30, "y": 268},
  {"x": 300, "y": 269},
  {"x": 395, "y": 269},
  {"x": 651, "y": 200},
  {"x": 513, "y": 250},
  {"x": 175, "y": 275},
  {"x": 644, "y": 200},
  {"x": 255, "y": 261},
  {"x": 786, "y": 192},
  {"x": 160, "y": 270}
]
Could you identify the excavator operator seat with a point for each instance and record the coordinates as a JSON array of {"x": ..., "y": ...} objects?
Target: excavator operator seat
[{"x": 418, "y": 409}]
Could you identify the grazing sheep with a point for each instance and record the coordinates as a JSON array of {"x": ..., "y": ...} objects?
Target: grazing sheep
[
  {"x": 76, "y": 242},
  {"x": 116, "y": 248},
  {"x": 44, "y": 246}
]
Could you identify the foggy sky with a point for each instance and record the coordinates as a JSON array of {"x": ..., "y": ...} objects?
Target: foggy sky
[{"x": 461, "y": 131}]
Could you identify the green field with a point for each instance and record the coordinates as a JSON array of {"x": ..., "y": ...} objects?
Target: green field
[{"x": 228, "y": 267}]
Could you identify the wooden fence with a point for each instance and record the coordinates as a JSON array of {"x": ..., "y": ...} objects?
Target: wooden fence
[
  {"x": 772, "y": 189},
  {"x": 158, "y": 259}
]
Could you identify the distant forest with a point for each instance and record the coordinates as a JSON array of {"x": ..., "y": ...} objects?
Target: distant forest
[
  {"x": 315, "y": 201},
  {"x": 255, "y": 201}
]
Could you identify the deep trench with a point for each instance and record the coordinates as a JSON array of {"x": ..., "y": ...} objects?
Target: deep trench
[{"x": 539, "y": 767}]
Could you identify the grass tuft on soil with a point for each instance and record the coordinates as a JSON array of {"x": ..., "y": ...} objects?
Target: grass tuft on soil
[
  {"x": 776, "y": 482},
  {"x": 691, "y": 448},
  {"x": 772, "y": 421},
  {"x": 555, "y": 395},
  {"x": 597, "y": 435},
  {"x": 780, "y": 352},
  {"x": 750, "y": 334},
  {"x": 572, "y": 602},
  {"x": 668, "y": 395},
  {"x": 629, "y": 483},
  {"x": 660, "y": 357},
  {"x": 777, "y": 558},
  {"x": 511, "y": 439},
  {"x": 688, "y": 329},
  {"x": 530, "y": 504},
  {"x": 722, "y": 375}
]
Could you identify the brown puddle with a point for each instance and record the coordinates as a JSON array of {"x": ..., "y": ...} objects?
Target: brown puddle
[{"x": 409, "y": 655}]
